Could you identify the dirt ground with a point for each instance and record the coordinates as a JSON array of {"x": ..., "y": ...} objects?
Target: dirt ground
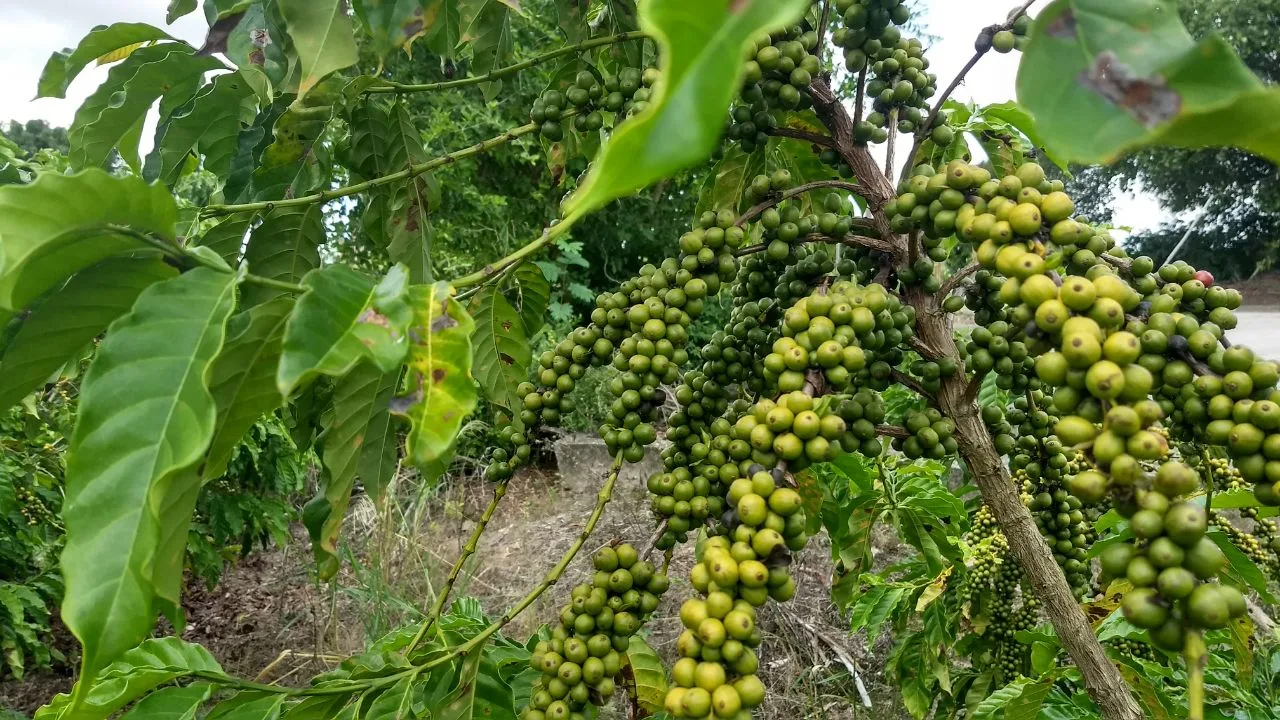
[{"x": 269, "y": 619}]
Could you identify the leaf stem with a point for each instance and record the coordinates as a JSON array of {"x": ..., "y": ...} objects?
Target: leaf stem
[
  {"x": 190, "y": 260},
  {"x": 467, "y": 551},
  {"x": 410, "y": 172},
  {"x": 395, "y": 87}
]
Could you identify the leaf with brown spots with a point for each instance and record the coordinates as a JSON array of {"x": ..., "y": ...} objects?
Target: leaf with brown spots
[
  {"x": 440, "y": 392},
  {"x": 501, "y": 348},
  {"x": 342, "y": 318},
  {"x": 393, "y": 24},
  {"x": 1103, "y": 78}
]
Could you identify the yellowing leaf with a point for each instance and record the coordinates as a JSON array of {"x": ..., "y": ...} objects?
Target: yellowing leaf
[
  {"x": 441, "y": 392},
  {"x": 935, "y": 590}
]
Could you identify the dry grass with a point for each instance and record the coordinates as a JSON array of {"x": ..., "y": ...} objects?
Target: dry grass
[{"x": 269, "y": 618}]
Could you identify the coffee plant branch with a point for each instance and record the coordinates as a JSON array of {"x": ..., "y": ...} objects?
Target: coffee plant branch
[
  {"x": 410, "y": 172},
  {"x": 395, "y": 87},
  {"x": 473, "y": 542}
]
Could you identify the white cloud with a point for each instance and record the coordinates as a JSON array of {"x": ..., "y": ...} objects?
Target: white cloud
[{"x": 34, "y": 30}]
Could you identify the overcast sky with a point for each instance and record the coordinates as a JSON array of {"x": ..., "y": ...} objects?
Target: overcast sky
[{"x": 35, "y": 29}]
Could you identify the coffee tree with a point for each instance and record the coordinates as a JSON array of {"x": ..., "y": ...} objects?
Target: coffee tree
[{"x": 1124, "y": 400}]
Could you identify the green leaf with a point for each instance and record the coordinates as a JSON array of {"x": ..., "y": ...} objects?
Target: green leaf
[
  {"x": 322, "y": 36},
  {"x": 248, "y": 705},
  {"x": 145, "y": 415},
  {"x": 243, "y": 378},
  {"x": 487, "y": 31},
  {"x": 501, "y": 348},
  {"x": 171, "y": 703},
  {"x": 480, "y": 693},
  {"x": 443, "y": 26},
  {"x": 210, "y": 127},
  {"x": 441, "y": 392},
  {"x": 257, "y": 45},
  {"x": 318, "y": 707},
  {"x": 285, "y": 247},
  {"x": 1003, "y": 698},
  {"x": 1027, "y": 705},
  {"x": 385, "y": 141},
  {"x": 295, "y": 162},
  {"x": 1103, "y": 78},
  {"x": 342, "y": 318},
  {"x": 395, "y": 703},
  {"x": 227, "y": 237},
  {"x": 152, "y": 663},
  {"x": 179, "y": 8},
  {"x": 47, "y": 238},
  {"x": 1017, "y": 117},
  {"x": 63, "y": 66},
  {"x": 380, "y": 450},
  {"x": 111, "y": 118},
  {"x": 242, "y": 382},
  {"x": 535, "y": 295},
  {"x": 648, "y": 673},
  {"x": 1240, "y": 567},
  {"x": 62, "y": 323},
  {"x": 393, "y": 24},
  {"x": 701, "y": 46},
  {"x": 726, "y": 187},
  {"x": 359, "y": 399}
]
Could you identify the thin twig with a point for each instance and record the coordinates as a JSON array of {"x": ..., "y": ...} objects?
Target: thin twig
[
  {"x": 893, "y": 136},
  {"x": 862, "y": 241},
  {"x": 822, "y": 24},
  {"x": 602, "y": 499},
  {"x": 952, "y": 282},
  {"x": 892, "y": 431},
  {"x": 410, "y": 172},
  {"x": 473, "y": 542},
  {"x": 769, "y": 202},
  {"x": 395, "y": 87},
  {"x": 983, "y": 46},
  {"x": 815, "y": 138},
  {"x": 492, "y": 269},
  {"x": 859, "y": 97},
  {"x": 903, "y": 379},
  {"x": 653, "y": 539}
]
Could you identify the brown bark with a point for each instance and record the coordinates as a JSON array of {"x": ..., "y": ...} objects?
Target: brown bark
[
  {"x": 1101, "y": 678},
  {"x": 934, "y": 339}
]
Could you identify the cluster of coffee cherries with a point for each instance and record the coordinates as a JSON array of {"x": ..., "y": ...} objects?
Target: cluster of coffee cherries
[
  {"x": 993, "y": 594},
  {"x": 929, "y": 435},
  {"x": 900, "y": 84},
  {"x": 1013, "y": 35},
  {"x": 996, "y": 346},
  {"x": 779, "y": 69},
  {"x": 737, "y": 573},
  {"x": 588, "y": 97},
  {"x": 582, "y": 658}
]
